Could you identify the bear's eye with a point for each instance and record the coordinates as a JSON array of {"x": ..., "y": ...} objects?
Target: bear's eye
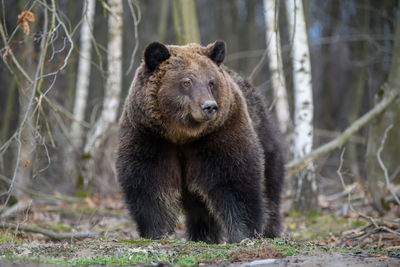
[
  {"x": 187, "y": 82},
  {"x": 211, "y": 84}
]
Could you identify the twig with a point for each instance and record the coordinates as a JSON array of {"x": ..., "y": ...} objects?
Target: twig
[
  {"x": 11, "y": 53},
  {"x": 136, "y": 19},
  {"x": 259, "y": 65},
  {"x": 339, "y": 173},
  {"x": 36, "y": 84},
  {"x": 385, "y": 171},
  {"x": 20, "y": 206},
  {"x": 376, "y": 223},
  {"x": 299, "y": 164},
  {"x": 66, "y": 58},
  {"x": 49, "y": 233},
  {"x": 395, "y": 173},
  {"x": 345, "y": 192},
  {"x": 356, "y": 230}
]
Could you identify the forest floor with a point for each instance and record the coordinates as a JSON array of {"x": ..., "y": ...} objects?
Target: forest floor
[{"x": 333, "y": 237}]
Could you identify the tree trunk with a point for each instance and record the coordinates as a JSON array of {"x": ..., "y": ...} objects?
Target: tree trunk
[
  {"x": 71, "y": 69},
  {"x": 359, "y": 88},
  {"x": 275, "y": 64},
  {"x": 108, "y": 117},
  {"x": 8, "y": 111},
  {"x": 391, "y": 153},
  {"x": 82, "y": 89},
  {"x": 305, "y": 188},
  {"x": 185, "y": 21},
  {"x": 25, "y": 155}
]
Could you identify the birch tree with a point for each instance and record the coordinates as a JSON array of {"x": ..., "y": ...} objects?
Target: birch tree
[
  {"x": 82, "y": 84},
  {"x": 306, "y": 190},
  {"x": 275, "y": 64},
  {"x": 109, "y": 112}
]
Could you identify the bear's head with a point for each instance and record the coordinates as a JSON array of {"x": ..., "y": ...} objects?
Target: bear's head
[{"x": 183, "y": 90}]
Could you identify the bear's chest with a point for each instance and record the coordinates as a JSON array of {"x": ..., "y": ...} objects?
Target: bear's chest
[{"x": 184, "y": 163}]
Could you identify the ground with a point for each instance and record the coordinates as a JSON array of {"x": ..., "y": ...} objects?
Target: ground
[{"x": 309, "y": 239}]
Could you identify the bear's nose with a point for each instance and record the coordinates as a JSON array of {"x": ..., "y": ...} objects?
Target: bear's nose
[{"x": 209, "y": 108}]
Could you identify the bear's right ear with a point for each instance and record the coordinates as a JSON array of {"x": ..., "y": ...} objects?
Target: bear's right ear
[
  {"x": 216, "y": 51},
  {"x": 154, "y": 54}
]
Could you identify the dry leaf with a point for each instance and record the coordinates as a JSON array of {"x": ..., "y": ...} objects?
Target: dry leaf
[
  {"x": 380, "y": 256},
  {"x": 25, "y": 18},
  {"x": 26, "y": 163},
  {"x": 90, "y": 202}
]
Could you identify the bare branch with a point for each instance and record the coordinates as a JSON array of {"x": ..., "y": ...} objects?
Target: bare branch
[
  {"x": 298, "y": 164},
  {"x": 136, "y": 19},
  {"x": 51, "y": 234},
  {"x": 385, "y": 171},
  {"x": 20, "y": 206}
]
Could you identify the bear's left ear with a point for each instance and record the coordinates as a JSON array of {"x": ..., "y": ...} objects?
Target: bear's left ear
[
  {"x": 154, "y": 54},
  {"x": 216, "y": 51}
]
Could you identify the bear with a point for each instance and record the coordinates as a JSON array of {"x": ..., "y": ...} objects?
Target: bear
[{"x": 196, "y": 136}]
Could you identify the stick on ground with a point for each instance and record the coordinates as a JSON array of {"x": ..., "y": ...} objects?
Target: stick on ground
[{"x": 49, "y": 233}]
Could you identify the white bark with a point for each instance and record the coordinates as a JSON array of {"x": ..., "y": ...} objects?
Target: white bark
[
  {"x": 275, "y": 64},
  {"x": 82, "y": 83},
  {"x": 111, "y": 101},
  {"x": 306, "y": 185}
]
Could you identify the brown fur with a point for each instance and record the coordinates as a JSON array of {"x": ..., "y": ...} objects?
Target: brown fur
[{"x": 226, "y": 169}]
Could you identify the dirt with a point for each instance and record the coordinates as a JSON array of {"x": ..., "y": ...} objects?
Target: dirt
[
  {"x": 242, "y": 255},
  {"x": 327, "y": 259}
]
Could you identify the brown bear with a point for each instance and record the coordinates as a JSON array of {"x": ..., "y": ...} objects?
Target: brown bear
[{"x": 194, "y": 134}]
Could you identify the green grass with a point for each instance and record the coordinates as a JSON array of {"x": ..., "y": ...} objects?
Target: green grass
[
  {"x": 317, "y": 226},
  {"x": 47, "y": 260},
  {"x": 58, "y": 227},
  {"x": 9, "y": 238},
  {"x": 140, "y": 241}
]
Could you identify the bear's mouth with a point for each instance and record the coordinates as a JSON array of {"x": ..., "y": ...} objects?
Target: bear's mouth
[
  {"x": 200, "y": 116},
  {"x": 196, "y": 121}
]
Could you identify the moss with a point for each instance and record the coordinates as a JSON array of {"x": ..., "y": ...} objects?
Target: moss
[
  {"x": 48, "y": 260},
  {"x": 58, "y": 227},
  {"x": 141, "y": 241},
  {"x": 187, "y": 261},
  {"x": 339, "y": 250}
]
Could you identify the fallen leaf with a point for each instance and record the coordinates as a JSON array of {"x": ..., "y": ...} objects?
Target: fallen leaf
[
  {"x": 26, "y": 163},
  {"x": 380, "y": 256},
  {"x": 90, "y": 202},
  {"x": 25, "y": 18}
]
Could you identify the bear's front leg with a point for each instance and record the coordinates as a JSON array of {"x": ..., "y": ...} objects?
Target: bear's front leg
[
  {"x": 150, "y": 182},
  {"x": 230, "y": 180},
  {"x": 239, "y": 209}
]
